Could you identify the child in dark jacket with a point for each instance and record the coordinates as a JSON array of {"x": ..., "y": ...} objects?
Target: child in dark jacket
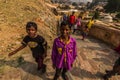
[
  {"x": 115, "y": 70},
  {"x": 37, "y": 44}
]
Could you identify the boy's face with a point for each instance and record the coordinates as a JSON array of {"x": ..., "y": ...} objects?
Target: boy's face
[
  {"x": 65, "y": 31},
  {"x": 31, "y": 31}
]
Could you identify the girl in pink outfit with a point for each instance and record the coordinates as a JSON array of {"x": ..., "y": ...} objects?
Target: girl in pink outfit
[{"x": 77, "y": 25}]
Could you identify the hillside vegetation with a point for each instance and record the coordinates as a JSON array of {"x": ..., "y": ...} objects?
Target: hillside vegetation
[{"x": 14, "y": 14}]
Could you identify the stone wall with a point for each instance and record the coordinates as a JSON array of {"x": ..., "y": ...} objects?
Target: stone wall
[{"x": 107, "y": 34}]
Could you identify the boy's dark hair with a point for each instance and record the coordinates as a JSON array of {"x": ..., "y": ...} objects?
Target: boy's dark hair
[
  {"x": 33, "y": 24},
  {"x": 63, "y": 23}
]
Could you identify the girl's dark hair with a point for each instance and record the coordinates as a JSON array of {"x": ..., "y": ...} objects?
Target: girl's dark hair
[
  {"x": 73, "y": 13},
  {"x": 33, "y": 24},
  {"x": 64, "y": 24}
]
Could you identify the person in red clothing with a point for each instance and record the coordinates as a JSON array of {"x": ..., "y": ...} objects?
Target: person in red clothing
[
  {"x": 77, "y": 25},
  {"x": 72, "y": 19}
]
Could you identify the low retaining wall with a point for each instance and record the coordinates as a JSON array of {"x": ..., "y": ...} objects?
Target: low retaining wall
[{"x": 107, "y": 34}]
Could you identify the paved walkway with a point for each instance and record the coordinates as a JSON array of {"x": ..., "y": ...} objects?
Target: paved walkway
[{"x": 93, "y": 58}]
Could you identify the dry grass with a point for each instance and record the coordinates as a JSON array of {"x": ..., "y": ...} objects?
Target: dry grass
[{"x": 15, "y": 14}]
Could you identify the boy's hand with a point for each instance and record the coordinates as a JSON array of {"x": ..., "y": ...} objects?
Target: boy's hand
[{"x": 12, "y": 53}]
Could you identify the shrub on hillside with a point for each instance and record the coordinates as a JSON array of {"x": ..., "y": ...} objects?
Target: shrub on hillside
[
  {"x": 74, "y": 4},
  {"x": 96, "y": 14}
]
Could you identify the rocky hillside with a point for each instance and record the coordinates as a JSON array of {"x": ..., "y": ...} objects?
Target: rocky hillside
[{"x": 14, "y": 14}]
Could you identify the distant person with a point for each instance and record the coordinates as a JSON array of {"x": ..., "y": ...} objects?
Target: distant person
[
  {"x": 114, "y": 71},
  {"x": 90, "y": 23},
  {"x": 63, "y": 52},
  {"x": 96, "y": 14},
  {"x": 77, "y": 25},
  {"x": 86, "y": 28},
  {"x": 72, "y": 19},
  {"x": 82, "y": 14},
  {"x": 65, "y": 18},
  {"x": 84, "y": 31},
  {"x": 37, "y": 44}
]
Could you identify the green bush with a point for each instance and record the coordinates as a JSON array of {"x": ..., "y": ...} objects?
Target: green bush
[{"x": 74, "y": 4}]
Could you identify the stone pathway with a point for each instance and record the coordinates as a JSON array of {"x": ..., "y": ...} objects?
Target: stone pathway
[{"x": 93, "y": 58}]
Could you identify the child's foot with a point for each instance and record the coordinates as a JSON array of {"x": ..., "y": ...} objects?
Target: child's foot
[
  {"x": 105, "y": 77},
  {"x": 65, "y": 77},
  {"x": 38, "y": 68}
]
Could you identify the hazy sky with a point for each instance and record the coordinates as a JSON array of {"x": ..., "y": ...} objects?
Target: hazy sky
[{"x": 81, "y": 0}]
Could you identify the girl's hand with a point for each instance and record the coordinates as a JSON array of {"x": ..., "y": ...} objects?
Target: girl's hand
[
  {"x": 53, "y": 66},
  {"x": 87, "y": 30}
]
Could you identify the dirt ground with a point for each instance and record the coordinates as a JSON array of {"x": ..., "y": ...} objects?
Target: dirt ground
[{"x": 14, "y": 15}]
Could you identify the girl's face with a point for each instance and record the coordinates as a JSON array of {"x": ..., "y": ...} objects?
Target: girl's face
[
  {"x": 65, "y": 31},
  {"x": 31, "y": 31}
]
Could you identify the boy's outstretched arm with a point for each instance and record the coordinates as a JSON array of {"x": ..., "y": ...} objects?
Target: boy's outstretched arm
[{"x": 15, "y": 51}]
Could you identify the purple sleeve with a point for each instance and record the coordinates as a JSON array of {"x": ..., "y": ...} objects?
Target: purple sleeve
[
  {"x": 74, "y": 50},
  {"x": 54, "y": 52}
]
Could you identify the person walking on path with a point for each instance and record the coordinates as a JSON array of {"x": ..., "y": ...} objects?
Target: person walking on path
[
  {"x": 86, "y": 28},
  {"x": 37, "y": 44},
  {"x": 90, "y": 23},
  {"x": 115, "y": 70},
  {"x": 64, "y": 18},
  {"x": 63, "y": 52},
  {"x": 77, "y": 25},
  {"x": 72, "y": 19}
]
